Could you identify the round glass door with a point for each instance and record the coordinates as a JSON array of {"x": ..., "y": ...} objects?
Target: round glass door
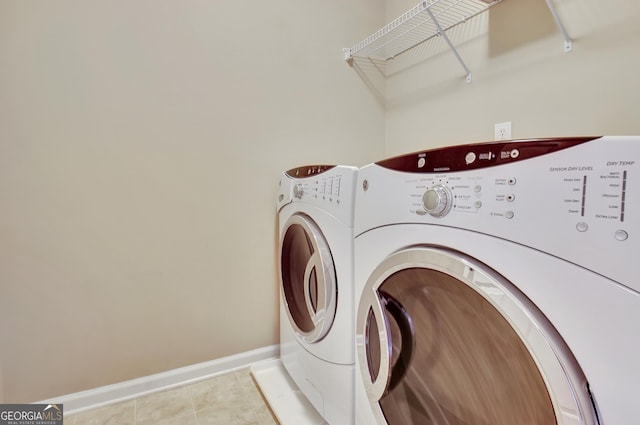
[
  {"x": 308, "y": 278},
  {"x": 444, "y": 340}
]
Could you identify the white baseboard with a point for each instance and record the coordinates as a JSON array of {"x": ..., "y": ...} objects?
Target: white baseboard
[{"x": 122, "y": 391}]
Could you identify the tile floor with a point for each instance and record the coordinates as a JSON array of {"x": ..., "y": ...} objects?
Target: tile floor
[{"x": 229, "y": 399}]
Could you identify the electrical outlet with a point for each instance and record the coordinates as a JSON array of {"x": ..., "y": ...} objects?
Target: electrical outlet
[{"x": 502, "y": 131}]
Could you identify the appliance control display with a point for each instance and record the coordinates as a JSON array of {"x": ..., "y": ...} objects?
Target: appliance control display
[
  {"x": 442, "y": 194},
  {"x": 330, "y": 190},
  {"x": 589, "y": 188},
  {"x": 319, "y": 189},
  {"x": 549, "y": 181},
  {"x": 322, "y": 185},
  {"x": 589, "y": 194},
  {"x": 598, "y": 195}
]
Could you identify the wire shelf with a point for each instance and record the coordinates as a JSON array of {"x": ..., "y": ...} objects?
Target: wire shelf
[{"x": 427, "y": 19}]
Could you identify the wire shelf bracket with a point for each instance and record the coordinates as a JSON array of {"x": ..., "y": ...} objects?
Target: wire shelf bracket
[
  {"x": 442, "y": 34},
  {"x": 568, "y": 45}
]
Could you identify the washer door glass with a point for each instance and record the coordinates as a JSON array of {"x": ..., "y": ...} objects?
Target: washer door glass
[
  {"x": 444, "y": 340},
  {"x": 308, "y": 278}
]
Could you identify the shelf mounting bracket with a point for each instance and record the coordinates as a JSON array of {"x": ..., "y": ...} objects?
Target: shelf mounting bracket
[
  {"x": 442, "y": 34},
  {"x": 568, "y": 45}
]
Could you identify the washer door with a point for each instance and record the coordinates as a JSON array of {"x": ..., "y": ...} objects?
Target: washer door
[
  {"x": 442, "y": 339},
  {"x": 308, "y": 278}
]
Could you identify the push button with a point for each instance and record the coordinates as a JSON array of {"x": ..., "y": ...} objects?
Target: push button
[{"x": 621, "y": 235}]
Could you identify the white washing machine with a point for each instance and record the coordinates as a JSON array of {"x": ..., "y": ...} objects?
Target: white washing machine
[
  {"x": 315, "y": 212},
  {"x": 495, "y": 285}
]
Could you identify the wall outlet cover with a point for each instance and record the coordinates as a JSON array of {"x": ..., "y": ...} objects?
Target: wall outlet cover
[{"x": 502, "y": 131}]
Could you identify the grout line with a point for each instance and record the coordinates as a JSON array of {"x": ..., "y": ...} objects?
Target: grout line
[{"x": 193, "y": 405}]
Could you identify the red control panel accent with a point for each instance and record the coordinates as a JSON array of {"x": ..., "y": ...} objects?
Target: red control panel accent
[
  {"x": 308, "y": 170},
  {"x": 478, "y": 155}
]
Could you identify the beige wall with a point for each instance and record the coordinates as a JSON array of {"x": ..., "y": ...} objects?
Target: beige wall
[
  {"x": 140, "y": 144},
  {"x": 520, "y": 74}
]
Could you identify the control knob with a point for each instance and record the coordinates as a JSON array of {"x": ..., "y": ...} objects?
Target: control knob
[
  {"x": 438, "y": 200},
  {"x": 298, "y": 191}
]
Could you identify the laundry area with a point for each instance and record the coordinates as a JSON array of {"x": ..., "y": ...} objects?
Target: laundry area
[{"x": 345, "y": 212}]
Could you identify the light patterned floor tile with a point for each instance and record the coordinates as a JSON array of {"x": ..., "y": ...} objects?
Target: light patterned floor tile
[
  {"x": 117, "y": 414},
  {"x": 218, "y": 392},
  {"x": 189, "y": 419},
  {"x": 163, "y": 406},
  {"x": 265, "y": 415},
  {"x": 231, "y": 415}
]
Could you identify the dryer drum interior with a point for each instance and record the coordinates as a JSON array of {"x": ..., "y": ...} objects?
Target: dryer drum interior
[
  {"x": 308, "y": 278},
  {"x": 450, "y": 342}
]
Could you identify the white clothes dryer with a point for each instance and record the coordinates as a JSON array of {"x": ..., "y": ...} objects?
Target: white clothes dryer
[
  {"x": 315, "y": 214},
  {"x": 495, "y": 284}
]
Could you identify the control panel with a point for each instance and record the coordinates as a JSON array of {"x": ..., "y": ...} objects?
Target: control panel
[
  {"x": 328, "y": 187},
  {"x": 573, "y": 198},
  {"x": 580, "y": 192},
  {"x": 320, "y": 188}
]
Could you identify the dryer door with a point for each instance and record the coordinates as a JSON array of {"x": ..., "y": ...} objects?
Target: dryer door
[
  {"x": 443, "y": 339},
  {"x": 308, "y": 278}
]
